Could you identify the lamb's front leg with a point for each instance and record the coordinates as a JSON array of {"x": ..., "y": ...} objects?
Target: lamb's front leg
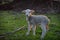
[
  {"x": 29, "y": 28},
  {"x": 33, "y": 29}
]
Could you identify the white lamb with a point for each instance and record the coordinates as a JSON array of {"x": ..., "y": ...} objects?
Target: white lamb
[{"x": 33, "y": 20}]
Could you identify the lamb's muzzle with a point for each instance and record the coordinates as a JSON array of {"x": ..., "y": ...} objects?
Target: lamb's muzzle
[{"x": 33, "y": 20}]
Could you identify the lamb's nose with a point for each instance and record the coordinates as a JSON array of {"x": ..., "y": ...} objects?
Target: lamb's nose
[{"x": 26, "y": 15}]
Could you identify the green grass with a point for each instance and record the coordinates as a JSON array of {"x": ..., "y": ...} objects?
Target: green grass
[{"x": 10, "y": 21}]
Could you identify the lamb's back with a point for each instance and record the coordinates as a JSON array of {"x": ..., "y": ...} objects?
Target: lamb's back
[{"x": 40, "y": 18}]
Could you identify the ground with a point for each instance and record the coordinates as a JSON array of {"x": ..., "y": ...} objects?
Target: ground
[{"x": 9, "y": 21}]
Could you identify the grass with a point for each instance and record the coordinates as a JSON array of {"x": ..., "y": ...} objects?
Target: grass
[{"x": 10, "y": 21}]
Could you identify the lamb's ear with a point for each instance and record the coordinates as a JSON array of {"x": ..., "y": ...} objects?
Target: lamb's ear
[
  {"x": 32, "y": 11},
  {"x": 23, "y": 11}
]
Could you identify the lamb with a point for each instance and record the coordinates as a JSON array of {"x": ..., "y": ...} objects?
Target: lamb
[{"x": 34, "y": 20}]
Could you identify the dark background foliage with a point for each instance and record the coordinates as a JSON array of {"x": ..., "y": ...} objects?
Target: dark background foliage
[{"x": 42, "y": 6}]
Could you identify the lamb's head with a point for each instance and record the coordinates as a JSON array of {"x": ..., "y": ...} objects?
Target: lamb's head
[{"x": 28, "y": 12}]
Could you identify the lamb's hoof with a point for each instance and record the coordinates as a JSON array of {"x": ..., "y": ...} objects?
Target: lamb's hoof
[
  {"x": 27, "y": 34},
  {"x": 47, "y": 29},
  {"x": 41, "y": 38},
  {"x": 34, "y": 34}
]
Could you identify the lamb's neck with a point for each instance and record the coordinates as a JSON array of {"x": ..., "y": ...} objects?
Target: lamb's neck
[{"x": 28, "y": 17}]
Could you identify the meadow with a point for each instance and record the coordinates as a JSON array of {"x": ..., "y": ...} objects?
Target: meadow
[{"x": 10, "y": 21}]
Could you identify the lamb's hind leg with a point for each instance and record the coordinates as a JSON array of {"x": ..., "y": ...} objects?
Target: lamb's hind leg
[
  {"x": 47, "y": 27},
  {"x": 43, "y": 27}
]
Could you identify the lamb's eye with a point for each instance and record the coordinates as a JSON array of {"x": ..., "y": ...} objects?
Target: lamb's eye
[{"x": 29, "y": 12}]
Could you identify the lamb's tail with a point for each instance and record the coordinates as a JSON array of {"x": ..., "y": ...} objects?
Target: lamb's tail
[{"x": 49, "y": 21}]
